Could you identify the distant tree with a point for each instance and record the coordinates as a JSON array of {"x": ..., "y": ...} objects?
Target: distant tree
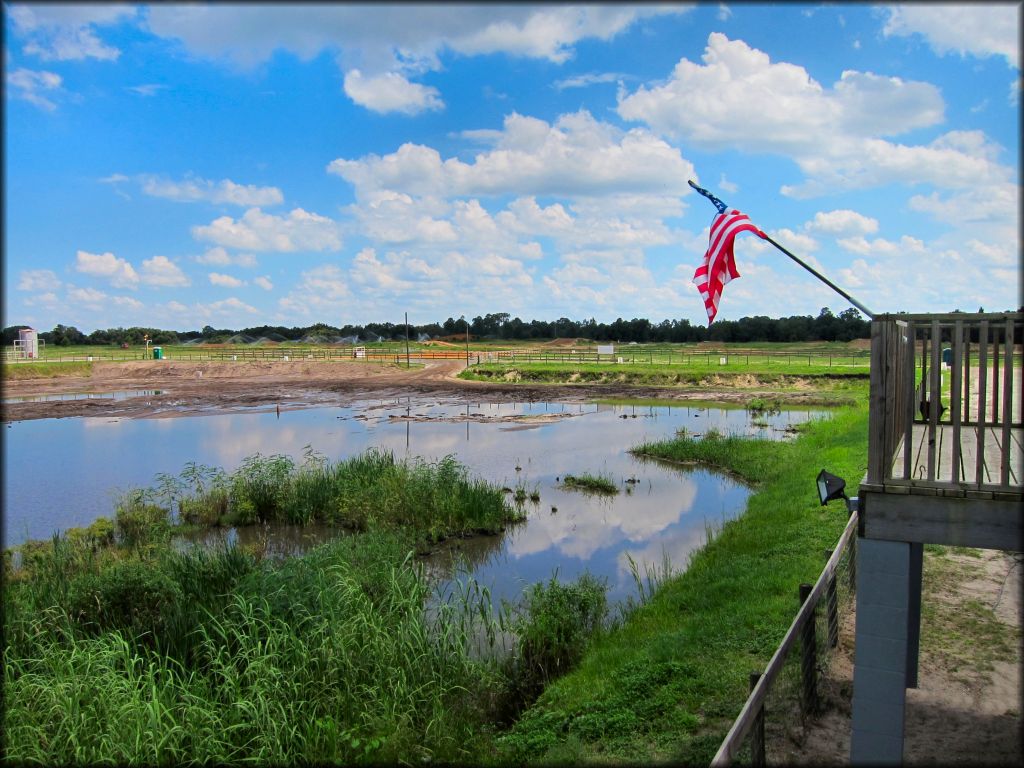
[
  {"x": 11, "y": 333},
  {"x": 63, "y": 336}
]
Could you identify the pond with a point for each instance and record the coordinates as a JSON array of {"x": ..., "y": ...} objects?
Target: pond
[
  {"x": 119, "y": 395},
  {"x": 61, "y": 473}
]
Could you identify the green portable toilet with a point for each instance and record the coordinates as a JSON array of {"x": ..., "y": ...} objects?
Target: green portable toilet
[
  {"x": 947, "y": 356},
  {"x": 158, "y": 353}
]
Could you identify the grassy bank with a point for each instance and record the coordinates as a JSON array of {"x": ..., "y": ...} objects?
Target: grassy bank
[
  {"x": 642, "y": 373},
  {"x": 119, "y": 647},
  {"x": 18, "y": 371},
  {"x": 667, "y": 685}
]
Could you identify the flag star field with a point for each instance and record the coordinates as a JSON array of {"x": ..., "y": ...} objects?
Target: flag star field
[{"x": 180, "y": 165}]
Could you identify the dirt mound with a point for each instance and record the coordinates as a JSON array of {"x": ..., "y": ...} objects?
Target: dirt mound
[
  {"x": 564, "y": 342},
  {"x": 859, "y": 344},
  {"x": 438, "y": 343}
]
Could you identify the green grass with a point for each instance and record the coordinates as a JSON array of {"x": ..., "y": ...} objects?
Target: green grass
[
  {"x": 327, "y": 657},
  {"x": 964, "y": 633},
  {"x": 660, "y": 374},
  {"x": 666, "y": 686},
  {"x": 591, "y": 483},
  {"x": 55, "y": 370}
]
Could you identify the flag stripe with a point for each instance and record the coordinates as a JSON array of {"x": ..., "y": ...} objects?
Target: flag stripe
[{"x": 719, "y": 265}]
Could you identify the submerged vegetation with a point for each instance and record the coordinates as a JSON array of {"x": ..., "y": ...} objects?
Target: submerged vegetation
[{"x": 591, "y": 483}]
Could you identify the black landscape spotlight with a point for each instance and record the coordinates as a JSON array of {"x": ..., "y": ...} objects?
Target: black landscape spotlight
[{"x": 831, "y": 487}]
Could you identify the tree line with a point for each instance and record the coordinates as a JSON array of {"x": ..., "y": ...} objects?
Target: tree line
[{"x": 845, "y": 326}]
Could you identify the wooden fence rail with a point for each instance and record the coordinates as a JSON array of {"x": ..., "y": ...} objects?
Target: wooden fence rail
[
  {"x": 854, "y": 358},
  {"x": 750, "y": 721},
  {"x": 825, "y": 359}
]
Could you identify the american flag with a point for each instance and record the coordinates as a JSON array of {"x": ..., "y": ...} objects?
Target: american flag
[{"x": 719, "y": 265}]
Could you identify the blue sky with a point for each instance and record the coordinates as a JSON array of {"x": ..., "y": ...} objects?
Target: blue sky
[{"x": 237, "y": 165}]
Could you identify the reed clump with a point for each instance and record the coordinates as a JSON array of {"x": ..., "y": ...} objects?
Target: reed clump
[
  {"x": 554, "y": 623},
  {"x": 591, "y": 483},
  {"x": 370, "y": 491}
]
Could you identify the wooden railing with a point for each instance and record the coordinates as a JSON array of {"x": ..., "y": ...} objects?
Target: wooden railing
[
  {"x": 750, "y": 723},
  {"x": 945, "y": 402}
]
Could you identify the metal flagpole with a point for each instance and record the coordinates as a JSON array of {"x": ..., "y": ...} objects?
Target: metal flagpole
[{"x": 721, "y": 209}]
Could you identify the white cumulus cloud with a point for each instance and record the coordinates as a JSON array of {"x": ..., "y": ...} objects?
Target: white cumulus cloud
[
  {"x": 381, "y": 46},
  {"x": 575, "y": 155},
  {"x": 320, "y": 292},
  {"x": 391, "y": 92},
  {"x": 67, "y": 32},
  {"x": 191, "y": 190},
  {"x": 226, "y": 281},
  {"x": 31, "y": 85},
  {"x": 975, "y": 29},
  {"x": 87, "y": 297},
  {"x": 116, "y": 270},
  {"x": 219, "y": 257},
  {"x": 738, "y": 98},
  {"x": 299, "y": 230},
  {"x": 38, "y": 280},
  {"x": 162, "y": 272},
  {"x": 843, "y": 222}
]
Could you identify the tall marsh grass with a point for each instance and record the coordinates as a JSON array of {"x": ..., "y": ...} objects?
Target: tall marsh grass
[
  {"x": 370, "y": 491},
  {"x": 323, "y": 657},
  {"x": 121, "y": 647}
]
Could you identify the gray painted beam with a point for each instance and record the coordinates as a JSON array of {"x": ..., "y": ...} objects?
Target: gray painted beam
[
  {"x": 881, "y": 651},
  {"x": 982, "y": 523}
]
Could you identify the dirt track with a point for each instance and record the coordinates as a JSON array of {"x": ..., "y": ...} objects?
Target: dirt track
[{"x": 182, "y": 388}]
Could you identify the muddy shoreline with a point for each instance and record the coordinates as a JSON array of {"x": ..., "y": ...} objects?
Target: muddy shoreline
[{"x": 191, "y": 388}]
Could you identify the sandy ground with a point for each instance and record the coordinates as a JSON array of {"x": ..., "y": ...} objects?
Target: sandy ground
[
  {"x": 967, "y": 706},
  {"x": 187, "y": 388}
]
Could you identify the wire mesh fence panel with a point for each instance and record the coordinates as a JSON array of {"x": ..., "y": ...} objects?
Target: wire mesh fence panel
[
  {"x": 788, "y": 721},
  {"x": 799, "y": 685}
]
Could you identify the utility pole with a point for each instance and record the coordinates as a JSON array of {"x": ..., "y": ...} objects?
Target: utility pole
[
  {"x": 406, "y": 339},
  {"x": 467, "y": 339}
]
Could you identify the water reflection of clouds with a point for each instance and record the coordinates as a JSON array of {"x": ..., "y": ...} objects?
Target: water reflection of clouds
[
  {"x": 228, "y": 441},
  {"x": 583, "y": 526},
  {"x": 676, "y": 546},
  {"x": 666, "y": 508}
]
